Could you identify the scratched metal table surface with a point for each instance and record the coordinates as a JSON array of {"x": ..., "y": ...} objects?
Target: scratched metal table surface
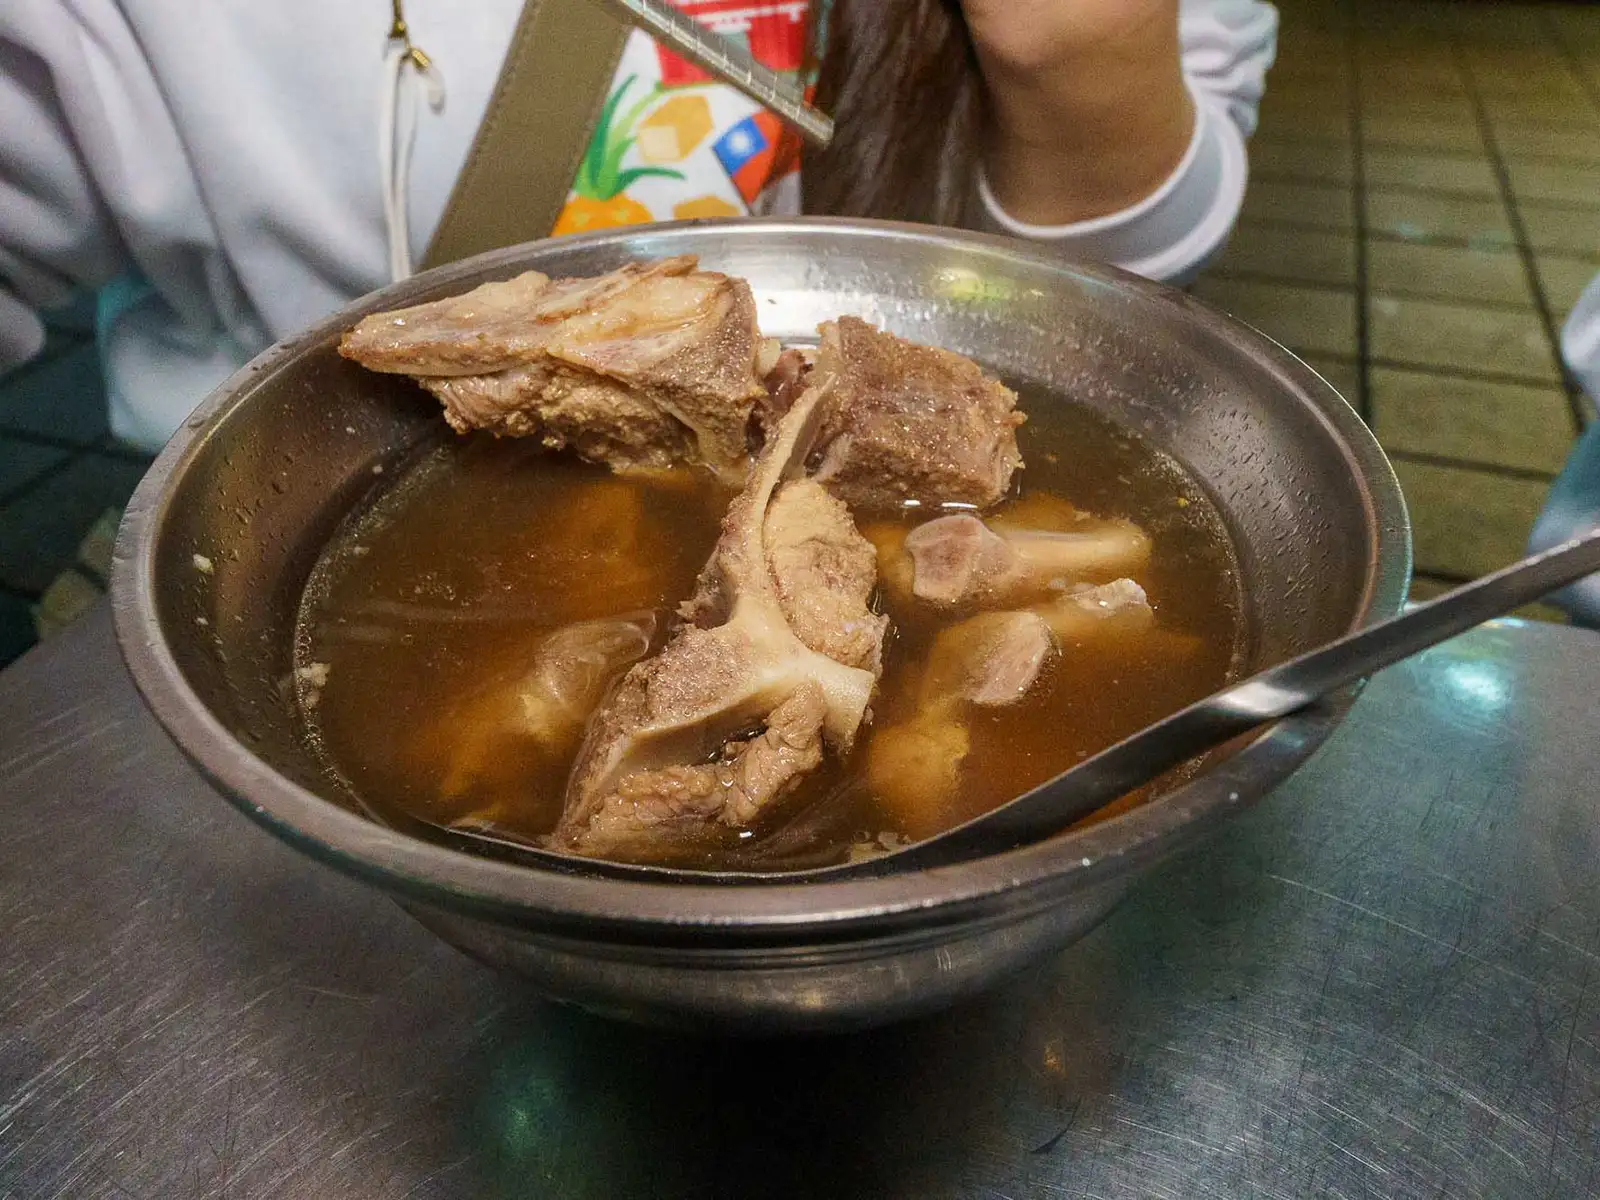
[{"x": 1381, "y": 982}]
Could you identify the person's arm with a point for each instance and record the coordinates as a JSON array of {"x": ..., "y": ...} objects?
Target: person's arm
[
  {"x": 1118, "y": 126},
  {"x": 1580, "y": 340},
  {"x": 1572, "y": 508}
]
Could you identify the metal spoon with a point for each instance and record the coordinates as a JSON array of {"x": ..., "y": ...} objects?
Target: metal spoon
[{"x": 1270, "y": 695}]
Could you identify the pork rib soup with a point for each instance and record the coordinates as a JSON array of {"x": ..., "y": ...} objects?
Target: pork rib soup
[{"x": 677, "y": 597}]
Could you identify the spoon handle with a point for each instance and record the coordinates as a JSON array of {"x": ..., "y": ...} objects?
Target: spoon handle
[{"x": 1241, "y": 707}]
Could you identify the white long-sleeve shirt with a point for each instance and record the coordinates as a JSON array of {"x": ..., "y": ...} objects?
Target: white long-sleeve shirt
[
  {"x": 212, "y": 167},
  {"x": 1580, "y": 339},
  {"x": 1573, "y": 507}
]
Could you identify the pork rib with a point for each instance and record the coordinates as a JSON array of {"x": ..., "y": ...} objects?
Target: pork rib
[
  {"x": 738, "y": 707},
  {"x": 911, "y": 423},
  {"x": 648, "y": 365},
  {"x": 960, "y": 562},
  {"x": 993, "y": 659}
]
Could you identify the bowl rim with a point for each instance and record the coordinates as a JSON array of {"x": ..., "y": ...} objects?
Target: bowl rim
[{"x": 754, "y": 913}]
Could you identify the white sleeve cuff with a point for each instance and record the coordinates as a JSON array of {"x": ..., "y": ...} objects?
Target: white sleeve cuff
[{"x": 1173, "y": 232}]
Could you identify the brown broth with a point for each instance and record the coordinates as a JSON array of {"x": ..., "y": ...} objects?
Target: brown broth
[{"x": 426, "y": 608}]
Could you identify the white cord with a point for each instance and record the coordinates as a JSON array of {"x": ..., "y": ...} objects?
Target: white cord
[{"x": 397, "y": 132}]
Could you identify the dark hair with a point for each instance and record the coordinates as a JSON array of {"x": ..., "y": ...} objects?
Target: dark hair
[{"x": 902, "y": 81}]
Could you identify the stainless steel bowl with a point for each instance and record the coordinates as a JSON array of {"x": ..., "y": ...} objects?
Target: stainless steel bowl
[{"x": 265, "y": 470}]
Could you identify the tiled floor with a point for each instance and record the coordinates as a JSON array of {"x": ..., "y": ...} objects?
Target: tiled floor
[
  {"x": 60, "y": 471},
  {"x": 1423, "y": 213}
]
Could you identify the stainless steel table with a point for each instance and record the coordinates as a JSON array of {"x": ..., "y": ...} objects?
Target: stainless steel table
[{"x": 1384, "y": 981}]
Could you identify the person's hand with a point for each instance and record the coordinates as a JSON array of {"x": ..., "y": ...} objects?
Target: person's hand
[{"x": 1089, "y": 109}]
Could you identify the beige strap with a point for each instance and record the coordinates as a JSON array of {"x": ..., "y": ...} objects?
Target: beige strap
[{"x": 537, "y": 126}]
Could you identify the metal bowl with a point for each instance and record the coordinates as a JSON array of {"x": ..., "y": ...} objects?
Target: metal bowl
[{"x": 261, "y": 475}]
